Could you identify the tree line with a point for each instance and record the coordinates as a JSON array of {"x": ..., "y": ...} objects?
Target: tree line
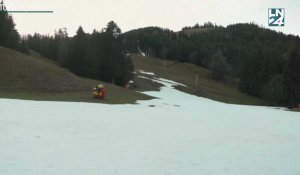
[
  {"x": 9, "y": 36},
  {"x": 199, "y": 26},
  {"x": 98, "y": 55},
  {"x": 267, "y": 63}
]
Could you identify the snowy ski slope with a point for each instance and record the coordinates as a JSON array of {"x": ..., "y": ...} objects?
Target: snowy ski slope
[{"x": 175, "y": 134}]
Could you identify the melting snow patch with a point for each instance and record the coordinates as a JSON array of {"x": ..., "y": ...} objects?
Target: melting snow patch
[
  {"x": 165, "y": 82},
  {"x": 170, "y": 82},
  {"x": 146, "y": 73},
  {"x": 140, "y": 76}
]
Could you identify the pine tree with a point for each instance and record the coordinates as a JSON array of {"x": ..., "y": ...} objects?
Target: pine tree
[
  {"x": 78, "y": 52},
  {"x": 113, "y": 29},
  {"x": 9, "y": 37},
  {"x": 292, "y": 77},
  {"x": 120, "y": 67},
  {"x": 219, "y": 66},
  {"x": 61, "y": 41}
]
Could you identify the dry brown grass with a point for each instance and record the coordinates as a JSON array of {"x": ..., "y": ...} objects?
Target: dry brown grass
[{"x": 37, "y": 78}]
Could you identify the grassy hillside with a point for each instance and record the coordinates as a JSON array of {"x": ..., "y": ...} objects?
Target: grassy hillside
[
  {"x": 186, "y": 74},
  {"x": 36, "y": 78}
]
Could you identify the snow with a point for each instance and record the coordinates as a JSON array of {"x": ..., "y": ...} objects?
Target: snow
[
  {"x": 164, "y": 82},
  {"x": 175, "y": 134},
  {"x": 146, "y": 73},
  {"x": 169, "y": 82},
  {"x": 141, "y": 52}
]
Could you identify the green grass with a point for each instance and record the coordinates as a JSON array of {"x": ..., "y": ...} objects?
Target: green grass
[
  {"x": 186, "y": 74},
  {"x": 36, "y": 78}
]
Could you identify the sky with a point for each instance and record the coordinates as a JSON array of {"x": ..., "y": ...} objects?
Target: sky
[{"x": 171, "y": 14}]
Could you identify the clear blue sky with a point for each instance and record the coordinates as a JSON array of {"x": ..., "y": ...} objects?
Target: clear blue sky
[{"x": 172, "y": 14}]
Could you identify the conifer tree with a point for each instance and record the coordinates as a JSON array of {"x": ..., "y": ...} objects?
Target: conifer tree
[{"x": 9, "y": 37}]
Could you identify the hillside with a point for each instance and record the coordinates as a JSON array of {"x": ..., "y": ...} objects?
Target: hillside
[
  {"x": 37, "y": 78},
  {"x": 265, "y": 61},
  {"x": 186, "y": 74}
]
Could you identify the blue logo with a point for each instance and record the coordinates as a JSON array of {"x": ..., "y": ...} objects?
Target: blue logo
[{"x": 276, "y": 17}]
